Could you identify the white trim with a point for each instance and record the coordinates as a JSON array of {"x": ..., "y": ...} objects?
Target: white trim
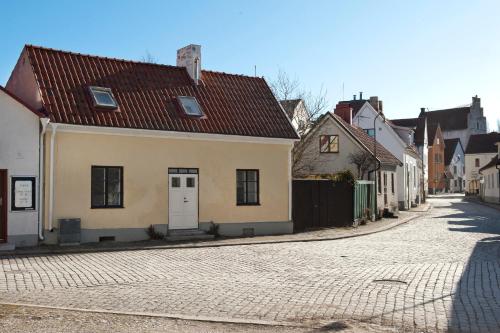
[{"x": 168, "y": 134}]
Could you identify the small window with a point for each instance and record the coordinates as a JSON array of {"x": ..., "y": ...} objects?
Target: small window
[
  {"x": 190, "y": 106},
  {"x": 329, "y": 143},
  {"x": 379, "y": 182},
  {"x": 477, "y": 162},
  {"x": 370, "y": 131},
  {"x": 190, "y": 182},
  {"x": 176, "y": 182},
  {"x": 437, "y": 141},
  {"x": 392, "y": 182},
  {"x": 103, "y": 97},
  {"x": 107, "y": 187},
  {"x": 247, "y": 187}
]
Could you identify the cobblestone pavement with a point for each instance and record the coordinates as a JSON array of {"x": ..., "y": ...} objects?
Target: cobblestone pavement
[{"x": 436, "y": 273}]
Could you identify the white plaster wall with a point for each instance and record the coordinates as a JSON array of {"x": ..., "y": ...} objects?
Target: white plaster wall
[
  {"x": 490, "y": 187},
  {"x": 471, "y": 171},
  {"x": 393, "y": 143},
  {"x": 19, "y": 149}
]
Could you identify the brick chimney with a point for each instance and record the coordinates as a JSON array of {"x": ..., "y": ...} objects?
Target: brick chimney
[
  {"x": 190, "y": 57},
  {"x": 344, "y": 111},
  {"x": 374, "y": 102}
]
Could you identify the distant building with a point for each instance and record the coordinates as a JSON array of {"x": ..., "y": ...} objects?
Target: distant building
[
  {"x": 454, "y": 161},
  {"x": 461, "y": 122},
  {"x": 437, "y": 180},
  {"x": 490, "y": 186},
  {"x": 298, "y": 114},
  {"x": 479, "y": 152}
]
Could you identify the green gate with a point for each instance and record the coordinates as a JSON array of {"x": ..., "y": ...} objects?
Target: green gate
[{"x": 364, "y": 200}]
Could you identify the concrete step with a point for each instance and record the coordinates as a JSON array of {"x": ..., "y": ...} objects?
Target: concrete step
[{"x": 187, "y": 234}]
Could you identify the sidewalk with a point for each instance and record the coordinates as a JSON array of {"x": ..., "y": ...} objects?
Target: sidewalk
[
  {"x": 478, "y": 201},
  {"x": 308, "y": 236}
]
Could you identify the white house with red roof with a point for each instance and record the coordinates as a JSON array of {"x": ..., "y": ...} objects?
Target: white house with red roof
[
  {"x": 19, "y": 172},
  {"x": 129, "y": 145}
]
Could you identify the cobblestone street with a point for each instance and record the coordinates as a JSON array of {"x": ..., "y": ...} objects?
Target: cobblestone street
[{"x": 436, "y": 273}]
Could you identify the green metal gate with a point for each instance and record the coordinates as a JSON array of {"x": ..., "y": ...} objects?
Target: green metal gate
[{"x": 364, "y": 200}]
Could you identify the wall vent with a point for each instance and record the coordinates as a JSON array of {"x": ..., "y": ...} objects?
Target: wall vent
[{"x": 107, "y": 239}]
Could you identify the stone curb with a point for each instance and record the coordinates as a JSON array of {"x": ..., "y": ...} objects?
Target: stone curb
[
  {"x": 214, "y": 244},
  {"x": 166, "y": 315}
]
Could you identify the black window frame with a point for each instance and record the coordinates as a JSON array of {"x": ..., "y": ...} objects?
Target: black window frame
[
  {"x": 13, "y": 181},
  {"x": 106, "y": 205},
  {"x": 329, "y": 137},
  {"x": 392, "y": 183},
  {"x": 257, "y": 203}
]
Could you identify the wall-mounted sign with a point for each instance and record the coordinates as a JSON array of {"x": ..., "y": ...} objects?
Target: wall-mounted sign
[{"x": 23, "y": 193}]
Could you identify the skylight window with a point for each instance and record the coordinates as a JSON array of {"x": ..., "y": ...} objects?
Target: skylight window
[
  {"x": 103, "y": 97},
  {"x": 190, "y": 106}
]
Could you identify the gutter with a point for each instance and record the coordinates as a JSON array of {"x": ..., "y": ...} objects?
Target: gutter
[
  {"x": 41, "y": 182},
  {"x": 51, "y": 170}
]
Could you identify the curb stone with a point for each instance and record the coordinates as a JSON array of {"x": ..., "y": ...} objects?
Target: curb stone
[{"x": 417, "y": 214}]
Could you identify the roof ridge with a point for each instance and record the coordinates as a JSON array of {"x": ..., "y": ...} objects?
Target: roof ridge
[
  {"x": 99, "y": 57},
  {"x": 232, "y": 74},
  {"x": 458, "y": 107}
]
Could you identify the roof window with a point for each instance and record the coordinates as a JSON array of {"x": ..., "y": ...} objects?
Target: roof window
[
  {"x": 190, "y": 106},
  {"x": 103, "y": 97}
]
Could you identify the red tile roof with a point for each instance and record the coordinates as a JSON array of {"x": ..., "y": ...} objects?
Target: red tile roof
[
  {"x": 383, "y": 155},
  {"x": 146, "y": 95}
]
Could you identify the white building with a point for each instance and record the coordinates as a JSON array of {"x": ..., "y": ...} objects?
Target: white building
[
  {"x": 408, "y": 174},
  {"x": 454, "y": 160},
  {"x": 19, "y": 156},
  {"x": 479, "y": 152},
  {"x": 490, "y": 185}
]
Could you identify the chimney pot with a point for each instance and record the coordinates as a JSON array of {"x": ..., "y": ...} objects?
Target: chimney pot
[
  {"x": 360, "y": 95},
  {"x": 354, "y": 97},
  {"x": 190, "y": 58}
]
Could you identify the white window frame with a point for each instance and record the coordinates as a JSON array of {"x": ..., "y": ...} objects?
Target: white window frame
[{"x": 180, "y": 98}]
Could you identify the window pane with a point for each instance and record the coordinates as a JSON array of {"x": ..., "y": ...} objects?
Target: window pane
[
  {"x": 240, "y": 193},
  {"x": 241, "y": 175},
  {"x": 252, "y": 198},
  {"x": 104, "y": 98},
  {"x": 324, "y": 141},
  {"x": 114, "y": 186},
  {"x": 98, "y": 187},
  {"x": 190, "y": 182},
  {"x": 334, "y": 143},
  {"x": 252, "y": 176},
  {"x": 190, "y": 106},
  {"x": 176, "y": 182},
  {"x": 252, "y": 187}
]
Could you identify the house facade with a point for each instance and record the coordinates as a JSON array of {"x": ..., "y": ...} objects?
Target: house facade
[
  {"x": 130, "y": 145},
  {"x": 437, "y": 177},
  {"x": 329, "y": 148},
  {"x": 366, "y": 114},
  {"x": 490, "y": 185},
  {"x": 479, "y": 152},
  {"x": 454, "y": 160},
  {"x": 298, "y": 114},
  {"x": 19, "y": 172}
]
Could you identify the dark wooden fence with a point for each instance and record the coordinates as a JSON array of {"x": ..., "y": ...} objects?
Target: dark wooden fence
[{"x": 322, "y": 204}]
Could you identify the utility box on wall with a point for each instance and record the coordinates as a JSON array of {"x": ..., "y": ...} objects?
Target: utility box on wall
[{"x": 69, "y": 231}]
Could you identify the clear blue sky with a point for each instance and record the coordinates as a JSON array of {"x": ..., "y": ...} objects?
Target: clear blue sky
[{"x": 411, "y": 54}]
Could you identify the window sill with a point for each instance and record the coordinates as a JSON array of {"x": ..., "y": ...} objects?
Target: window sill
[
  {"x": 106, "y": 207},
  {"x": 248, "y": 204}
]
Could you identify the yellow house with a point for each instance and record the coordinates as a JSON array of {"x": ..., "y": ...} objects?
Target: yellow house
[{"x": 127, "y": 145}]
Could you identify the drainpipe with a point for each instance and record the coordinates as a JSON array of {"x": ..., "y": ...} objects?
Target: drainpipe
[
  {"x": 41, "y": 177},
  {"x": 377, "y": 162},
  {"x": 51, "y": 171},
  {"x": 498, "y": 168}
]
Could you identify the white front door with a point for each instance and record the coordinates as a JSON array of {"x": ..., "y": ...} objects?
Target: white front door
[{"x": 183, "y": 201}]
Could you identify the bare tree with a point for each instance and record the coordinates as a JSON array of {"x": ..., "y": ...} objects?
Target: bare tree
[
  {"x": 286, "y": 88},
  {"x": 304, "y": 118},
  {"x": 498, "y": 125},
  {"x": 363, "y": 160},
  {"x": 149, "y": 58}
]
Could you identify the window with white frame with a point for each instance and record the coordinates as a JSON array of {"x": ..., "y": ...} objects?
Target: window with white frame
[
  {"x": 190, "y": 106},
  {"x": 103, "y": 97}
]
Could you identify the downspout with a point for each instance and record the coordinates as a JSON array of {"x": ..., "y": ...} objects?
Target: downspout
[
  {"x": 377, "y": 162},
  {"x": 51, "y": 171},
  {"x": 498, "y": 168},
  {"x": 41, "y": 177},
  {"x": 290, "y": 182}
]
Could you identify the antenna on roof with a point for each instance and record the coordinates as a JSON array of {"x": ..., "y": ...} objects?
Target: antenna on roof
[
  {"x": 343, "y": 90},
  {"x": 255, "y": 70}
]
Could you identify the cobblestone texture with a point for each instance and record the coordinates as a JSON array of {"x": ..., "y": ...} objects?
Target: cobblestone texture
[{"x": 437, "y": 273}]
